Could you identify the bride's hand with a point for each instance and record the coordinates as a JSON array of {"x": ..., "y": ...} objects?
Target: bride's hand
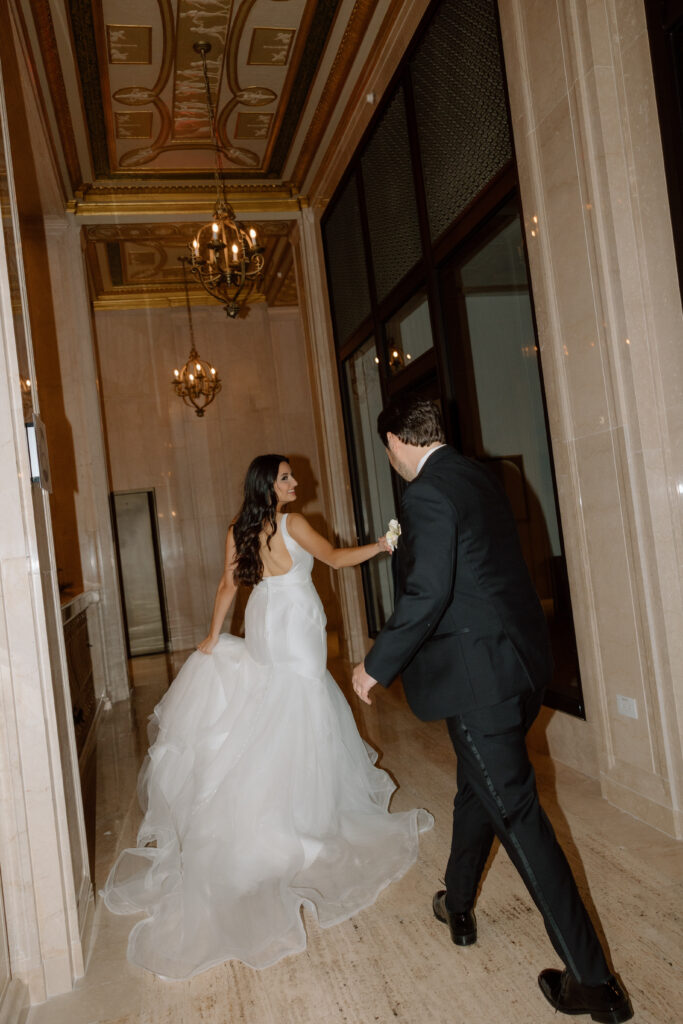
[
  {"x": 384, "y": 545},
  {"x": 206, "y": 646}
]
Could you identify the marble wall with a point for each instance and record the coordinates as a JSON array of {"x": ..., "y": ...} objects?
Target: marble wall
[
  {"x": 38, "y": 871},
  {"x": 196, "y": 465}
]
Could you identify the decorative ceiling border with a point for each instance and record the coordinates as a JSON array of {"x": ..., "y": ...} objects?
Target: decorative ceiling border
[
  {"x": 169, "y": 232},
  {"x": 357, "y": 26},
  {"x": 47, "y": 42},
  {"x": 399, "y": 25},
  {"x": 112, "y": 199},
  {"x": 85, "y": 51},
  {"x": 321, "y": 23}
]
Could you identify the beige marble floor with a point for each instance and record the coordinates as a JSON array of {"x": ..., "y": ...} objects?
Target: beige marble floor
[{"x": 394, "y": 961}]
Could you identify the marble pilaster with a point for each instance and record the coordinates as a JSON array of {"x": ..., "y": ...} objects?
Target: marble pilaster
[
  {"x": 312, "y": 287},
  {"x": 603, "y": 274}
]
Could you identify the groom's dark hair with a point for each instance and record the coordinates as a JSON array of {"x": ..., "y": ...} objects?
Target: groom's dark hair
[{"x": 413, "y": 420}]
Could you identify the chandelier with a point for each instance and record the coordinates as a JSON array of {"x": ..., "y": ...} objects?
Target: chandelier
[
  {"x": 197, "y": 383},
  {"x": 225, "y": 258}
]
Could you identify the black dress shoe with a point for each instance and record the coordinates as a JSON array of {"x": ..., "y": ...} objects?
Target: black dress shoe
[
  {"x": 463, "y": 926},
  {"x": 607, "y": 1003}
]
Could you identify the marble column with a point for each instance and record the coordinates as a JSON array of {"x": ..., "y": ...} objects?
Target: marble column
[
  {"x": 603, "y": 274},
  {"x": 36, "y": 863},
  {"x": 336, "y": 479},
  {"x": 79, "y": 385}
]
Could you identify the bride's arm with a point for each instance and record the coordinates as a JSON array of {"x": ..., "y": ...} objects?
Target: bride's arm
[
  {"x": 227, "y": 589},
  {"x": 318, "y": 546}
]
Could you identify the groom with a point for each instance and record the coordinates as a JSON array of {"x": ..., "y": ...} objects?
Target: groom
[{"x": 469, "y": 637}]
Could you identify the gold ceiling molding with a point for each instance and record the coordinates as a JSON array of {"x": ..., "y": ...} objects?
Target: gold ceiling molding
[
  {"x": 148, "y": 298},
  {"x": 300, "y": 43},
  {"x": 107, "y": 200},
  {"x": 356, "y": 28},
  {"x": 181, "y": 233},
  {"x": 386, "y": 37},
  {"x": 47, "y": 43}
]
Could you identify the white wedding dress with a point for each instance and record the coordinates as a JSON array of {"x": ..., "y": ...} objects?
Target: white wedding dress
[{"x": 259, "y": 797}]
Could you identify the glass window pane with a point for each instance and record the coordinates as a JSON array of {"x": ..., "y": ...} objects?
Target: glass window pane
[
  {"x": 390, "y": 199},
  {"x": 409, "y": 333},
  {"x": 458, "y": 84},
  {"x": 347, "y": 273},
  {"x": 373, "y": 477},
  {"x": 505, "y": 359},
  {"x": 513, "y": 437}
]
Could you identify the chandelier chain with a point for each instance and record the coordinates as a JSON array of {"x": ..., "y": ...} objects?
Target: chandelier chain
[{"x": 225, "y": 257}]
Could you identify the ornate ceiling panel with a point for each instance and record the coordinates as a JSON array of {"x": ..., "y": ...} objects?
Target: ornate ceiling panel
[
  {"x": 138, "y": 264},
  {"x": 144, "y": 93},
  {"x": 122, "y": 96}
]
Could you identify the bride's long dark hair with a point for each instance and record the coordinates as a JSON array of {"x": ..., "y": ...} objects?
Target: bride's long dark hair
[{"x": 257, "y": 513}]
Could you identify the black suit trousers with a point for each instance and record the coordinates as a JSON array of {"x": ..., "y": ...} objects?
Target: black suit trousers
[{"x": 497, "y": 795}]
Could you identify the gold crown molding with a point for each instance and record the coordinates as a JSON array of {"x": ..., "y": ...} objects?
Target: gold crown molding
[
  {"x": 300, "y": 44},
  {"x": 150, "y": 200},
  {"x": 168, "y": 233},
  {"x": 377, "y": 56},
  {"x": 160, "y": 300},
  {"x": 356, "y": 28},
  {"x": 47, "y": 44}
]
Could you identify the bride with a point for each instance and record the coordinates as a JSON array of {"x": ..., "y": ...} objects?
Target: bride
[{"x": 260, "y": 797}]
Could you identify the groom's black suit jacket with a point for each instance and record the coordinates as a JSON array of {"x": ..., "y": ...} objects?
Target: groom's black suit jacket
[{"x": 467, "y": 628}]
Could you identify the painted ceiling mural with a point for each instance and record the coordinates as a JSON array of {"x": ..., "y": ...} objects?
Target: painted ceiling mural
[
  {"x": 127, "y": 102},
  {"x": 144, "y": 90}
]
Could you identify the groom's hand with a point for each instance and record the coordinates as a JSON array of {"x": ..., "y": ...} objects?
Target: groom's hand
[{"x": 362, "y": 682}]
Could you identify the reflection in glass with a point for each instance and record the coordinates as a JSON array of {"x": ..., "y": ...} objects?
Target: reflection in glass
[
  {"x": 510, "y": 429},
  {"x": 375, "y": 506},
  {"x": 409, "y": 333}
]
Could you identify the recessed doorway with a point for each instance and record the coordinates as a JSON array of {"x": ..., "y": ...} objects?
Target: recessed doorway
[{"x": 140, "y": 574}]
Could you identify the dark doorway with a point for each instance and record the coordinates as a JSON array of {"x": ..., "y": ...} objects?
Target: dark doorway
[{"x": 142, "y": 591}]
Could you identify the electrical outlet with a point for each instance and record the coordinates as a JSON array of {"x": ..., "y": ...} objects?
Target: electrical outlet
[{"x": 627, "y": 706}]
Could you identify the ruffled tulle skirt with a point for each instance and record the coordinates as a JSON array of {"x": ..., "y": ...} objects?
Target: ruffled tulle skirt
[{"x": 259, "y": 796}]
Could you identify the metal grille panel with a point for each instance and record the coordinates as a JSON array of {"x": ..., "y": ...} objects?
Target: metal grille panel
[
  {"x": 347, "y": 273},
  {"x": 458, "y": 83},
  {"x": 390, "y": 199}
]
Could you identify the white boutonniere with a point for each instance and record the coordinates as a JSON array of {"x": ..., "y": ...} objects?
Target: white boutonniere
[{"x": 393, "y": 533}]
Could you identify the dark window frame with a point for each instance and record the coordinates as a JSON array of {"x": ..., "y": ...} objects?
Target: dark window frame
[
  {"x": 436, "y": 368},
  {"x": 664, "y": 17}
]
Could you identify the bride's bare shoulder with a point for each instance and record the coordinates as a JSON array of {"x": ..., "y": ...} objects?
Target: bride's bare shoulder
[{"x": 296, "y": 522}]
